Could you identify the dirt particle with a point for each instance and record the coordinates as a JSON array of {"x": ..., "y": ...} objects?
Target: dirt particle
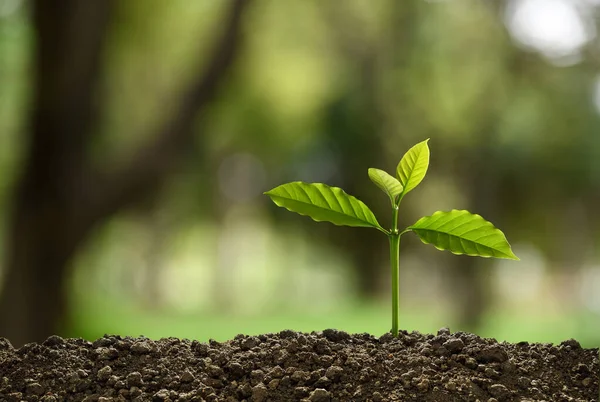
[
  {"x": 581, "y": 369},
  {"x": 443, "y": 331},
  {"x": 323, "y": 382},
  {"x": 353, "y": 363},
  {"x": 386, "y": 338},
  {"x": 34, "y": 388},
  {"x": 141, "y": 347},
  {"x": 281, "y": 357},
  {"x": 211, "y": 382},
  {"x": 107, "y": 353},
  {"x": 244, "y": 390},
  {"x": 322, "y": 347},
  {"x": 259, "y": 392},
  {"x": 286, "y": 381},
  {"x": 214, "y": 371},
  {"x": 319, "y": 395},
  {"x": 276, "y": 372},
  {"x": 103, "y": 342},
  {"x": 454, "y": 345},
  {"x": 499, "y": 391},
  {"x": 53, "y": 340},
  {"x": 134, "y": 392},
  {"x": 492, "y": 354},
  {"x": 187, "y": 377},
  {"x": 409, "y": 375},
  {"x": 236, "y": 370},
  {"x": 300, "y": 376},
  {"x": 450, "y": 386},
  {"x": 134, "y": 379},
  {"x": 301, "y": 392},
  {"x": 112, "y": 380},
  {"x": 524, "y": 382},
  {"x": 574, "y": 344},
  {"x": 120, "y": 384},
  {"x": 334, "y": 373},
  {"x": 508, "y": 367},
  {"x": 200, "y": 349},
  {"x": 287, "y": 334},
  {"x": 423, "y": 385},
  {"x": 257, "y": 376},
  {"x": 249, "y": 343},
  {"x": 104, "y": 373},
  {"x": 162, "y": 395},
  {"x": 335, "y": 335}
]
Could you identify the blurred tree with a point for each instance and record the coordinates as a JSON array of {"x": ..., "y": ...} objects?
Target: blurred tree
[{"x": 59, "y": 198}]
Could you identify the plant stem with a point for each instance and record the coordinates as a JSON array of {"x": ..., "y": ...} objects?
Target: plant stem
[{"x": 394, "y": 237}]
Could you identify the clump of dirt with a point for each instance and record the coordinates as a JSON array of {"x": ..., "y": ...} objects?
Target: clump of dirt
[{"x": 323, "y": 366}]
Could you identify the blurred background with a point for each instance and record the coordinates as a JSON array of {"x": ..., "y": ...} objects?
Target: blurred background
[{"x": 137, "y": 138}]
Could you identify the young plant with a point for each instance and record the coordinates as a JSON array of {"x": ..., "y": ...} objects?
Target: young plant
[{"x": 459, "y": 232}]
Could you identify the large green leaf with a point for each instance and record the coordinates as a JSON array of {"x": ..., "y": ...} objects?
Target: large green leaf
[
  {"x": 323, "y": 203},
  {"x": 413, "y": 166},
  {"x": 462, "y": 232},
  {"x": 389, "y": 184}
]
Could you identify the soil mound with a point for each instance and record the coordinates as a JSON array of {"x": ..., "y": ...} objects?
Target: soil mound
[{"x": 323, "y": 366}]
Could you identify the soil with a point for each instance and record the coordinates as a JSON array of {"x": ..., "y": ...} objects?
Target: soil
[{"x": 323, "y": 366}]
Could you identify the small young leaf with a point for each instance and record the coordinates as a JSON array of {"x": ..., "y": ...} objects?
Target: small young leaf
[
  {"x": 389, "y": 184},
  {"x": 462, "y": 232},
  {"x": 323, "y": 203},
  {"x": 413, "y": 166}
]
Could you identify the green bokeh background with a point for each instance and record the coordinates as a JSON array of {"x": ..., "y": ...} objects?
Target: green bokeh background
[{"x": 322, "y": 91}]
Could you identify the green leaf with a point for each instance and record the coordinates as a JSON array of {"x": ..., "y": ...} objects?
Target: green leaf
[
  {"x": 462, "y": 232},
  {"x": 389, "y": 184},
  {"x": 323, "y": 203},
  {"x": 413, "y": 166}
]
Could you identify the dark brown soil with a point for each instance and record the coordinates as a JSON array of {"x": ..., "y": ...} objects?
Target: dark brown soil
[{"x": 291, "y": 366}]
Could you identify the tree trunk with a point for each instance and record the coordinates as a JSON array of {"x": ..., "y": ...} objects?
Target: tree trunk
[
  {"x": 44, "y": 230},
  {"x": 33, "y": 301}
]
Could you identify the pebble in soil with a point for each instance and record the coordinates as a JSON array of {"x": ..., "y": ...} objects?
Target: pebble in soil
[{"x": 328, "y": 366}]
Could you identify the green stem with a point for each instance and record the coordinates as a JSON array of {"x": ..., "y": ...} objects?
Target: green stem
[{"x": 394, "y": 237}]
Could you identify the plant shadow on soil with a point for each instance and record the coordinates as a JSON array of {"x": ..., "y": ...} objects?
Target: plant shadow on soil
[{"x": 322, "y": 366}]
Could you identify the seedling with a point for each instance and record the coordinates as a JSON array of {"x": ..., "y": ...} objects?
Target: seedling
[{"x": 459, "y": 232}]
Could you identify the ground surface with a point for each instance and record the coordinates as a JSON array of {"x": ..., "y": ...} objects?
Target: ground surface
[{"x": 291, "y": 366}]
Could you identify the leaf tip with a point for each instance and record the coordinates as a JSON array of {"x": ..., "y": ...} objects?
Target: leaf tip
[{"x": 509, "y": 254}]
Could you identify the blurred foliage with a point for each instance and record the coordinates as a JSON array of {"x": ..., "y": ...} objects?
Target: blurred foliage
[{"x": 323, "y": 91}]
